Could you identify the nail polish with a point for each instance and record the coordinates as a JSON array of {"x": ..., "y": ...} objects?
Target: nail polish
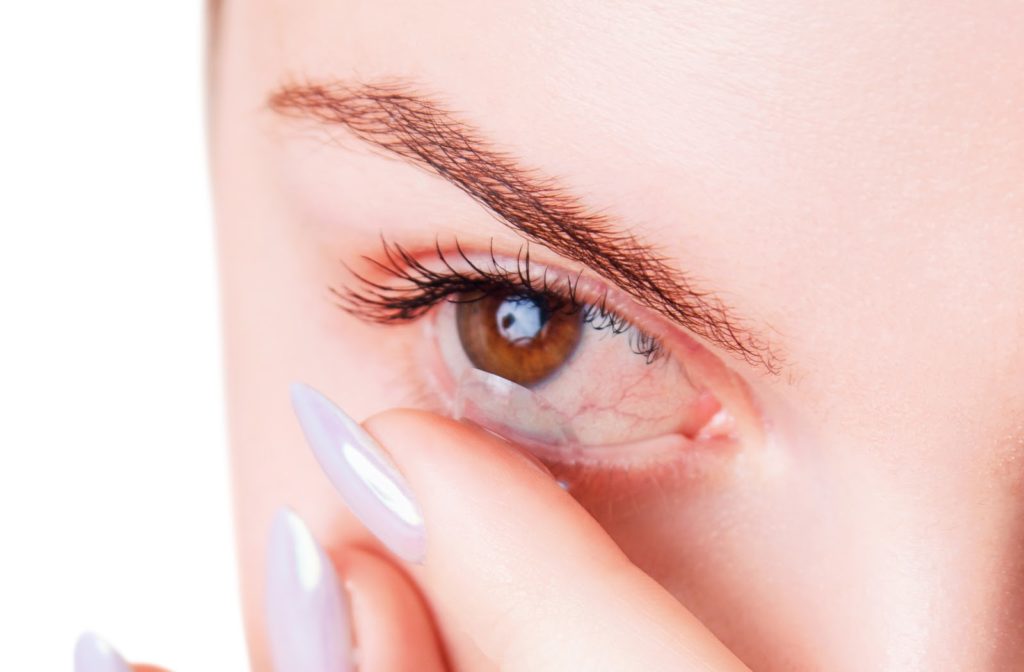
[
  {"x": 92, "y": 654},
  {"x": 362, "y": 473},
  {"x": 307, "y": 615}
]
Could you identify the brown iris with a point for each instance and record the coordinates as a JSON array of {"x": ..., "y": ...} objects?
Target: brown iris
[{"x": 521, "y": 338}]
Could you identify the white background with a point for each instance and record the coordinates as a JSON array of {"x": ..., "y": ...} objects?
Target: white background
[{"x": 114, "y": 499}]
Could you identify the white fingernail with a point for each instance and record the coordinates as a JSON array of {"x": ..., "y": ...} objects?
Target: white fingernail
[
  {"x": 92, "y": 654},
  {"x": 307, "y": 615}
]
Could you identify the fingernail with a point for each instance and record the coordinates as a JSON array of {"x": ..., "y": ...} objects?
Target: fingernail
[
  {"x": 92, "y": 654},
  {"x": 361, "y": 471},
  {"x": 307, "y": 618}
]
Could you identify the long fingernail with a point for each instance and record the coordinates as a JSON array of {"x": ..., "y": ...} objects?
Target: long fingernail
[
  {"x": 361, "y": 471},
  {"x": 92, "y": 654},
  {"x": 307, "y": 618}
]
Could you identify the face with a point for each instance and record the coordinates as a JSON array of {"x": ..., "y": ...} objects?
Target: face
[{"x": 748, "y": 279}]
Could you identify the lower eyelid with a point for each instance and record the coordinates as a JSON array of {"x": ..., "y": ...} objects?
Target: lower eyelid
[
  {"x": 603, "y": 486},
  {"x": 627, "y": 468},
  {"x": 602, "y": 483}
]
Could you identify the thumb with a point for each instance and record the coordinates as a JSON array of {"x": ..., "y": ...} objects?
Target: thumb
[{"x": 521, "y": 567}]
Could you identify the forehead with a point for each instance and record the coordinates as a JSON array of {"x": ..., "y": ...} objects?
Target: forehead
[
  {"x": 810, "y": 157},
  {"x": 690, "y": 113}
]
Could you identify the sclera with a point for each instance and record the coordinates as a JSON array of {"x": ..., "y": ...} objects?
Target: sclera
[{"x": 526, "y": 417}]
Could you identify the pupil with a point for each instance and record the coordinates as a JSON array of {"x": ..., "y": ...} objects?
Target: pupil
[{"x": 521, "y": 319}]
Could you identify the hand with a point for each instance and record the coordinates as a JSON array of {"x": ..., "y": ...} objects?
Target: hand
[
  {"x": 503, "y": 555},
  {"x": 502, "y": 552}
]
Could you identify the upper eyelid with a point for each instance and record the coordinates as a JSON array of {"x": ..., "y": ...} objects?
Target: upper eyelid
[
  {"x": 399, "y": 263},
  {"x": 403, "y": 264}
]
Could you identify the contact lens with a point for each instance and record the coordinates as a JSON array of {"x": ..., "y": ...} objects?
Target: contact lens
[
  {"x": 526, "y": 417},
  {"x": 511, "y": 410}
]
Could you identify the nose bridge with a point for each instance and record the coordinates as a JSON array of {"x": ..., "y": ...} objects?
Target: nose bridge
[{"x": 941, "y": 561}]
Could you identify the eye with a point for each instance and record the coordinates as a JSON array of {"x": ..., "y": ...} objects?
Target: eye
[
  {"x": 552, "y": 360},
  {"x": 572, "y": 382}
]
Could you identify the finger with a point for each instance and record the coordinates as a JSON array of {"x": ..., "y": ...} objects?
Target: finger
[
  {"x": 528, "y": 572},
  {"x": 393, "y": 630},
  {"x": 523, "y": 569},
  {"x": 372, "y": 620}
]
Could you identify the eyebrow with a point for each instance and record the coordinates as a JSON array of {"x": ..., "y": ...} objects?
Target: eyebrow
[{"x": 397, "y": 118}]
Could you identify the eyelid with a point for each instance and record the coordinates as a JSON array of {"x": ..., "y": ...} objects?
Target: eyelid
[{"x": 698, "y": 362}]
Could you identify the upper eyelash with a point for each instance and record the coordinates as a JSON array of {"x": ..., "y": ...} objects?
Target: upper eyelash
[{"x": 423, "y": 288}]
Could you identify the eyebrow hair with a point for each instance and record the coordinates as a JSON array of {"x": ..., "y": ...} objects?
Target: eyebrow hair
[{"x": 395, "y": 117}]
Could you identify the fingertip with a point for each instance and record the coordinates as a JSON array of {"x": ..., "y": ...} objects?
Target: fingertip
[{"x": 402, "y": 430}]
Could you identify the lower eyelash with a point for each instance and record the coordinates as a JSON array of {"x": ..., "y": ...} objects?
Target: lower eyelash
[{"x": 419, "y": 288}]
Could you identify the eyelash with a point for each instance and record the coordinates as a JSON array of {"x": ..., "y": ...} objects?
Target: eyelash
[{"x": 421, "y": 288}]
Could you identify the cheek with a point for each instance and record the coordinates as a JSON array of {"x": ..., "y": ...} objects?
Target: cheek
[{"x": 717, "y": 539}]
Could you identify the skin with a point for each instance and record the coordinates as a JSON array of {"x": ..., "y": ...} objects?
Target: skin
[{"x": 847, "y": 178}]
